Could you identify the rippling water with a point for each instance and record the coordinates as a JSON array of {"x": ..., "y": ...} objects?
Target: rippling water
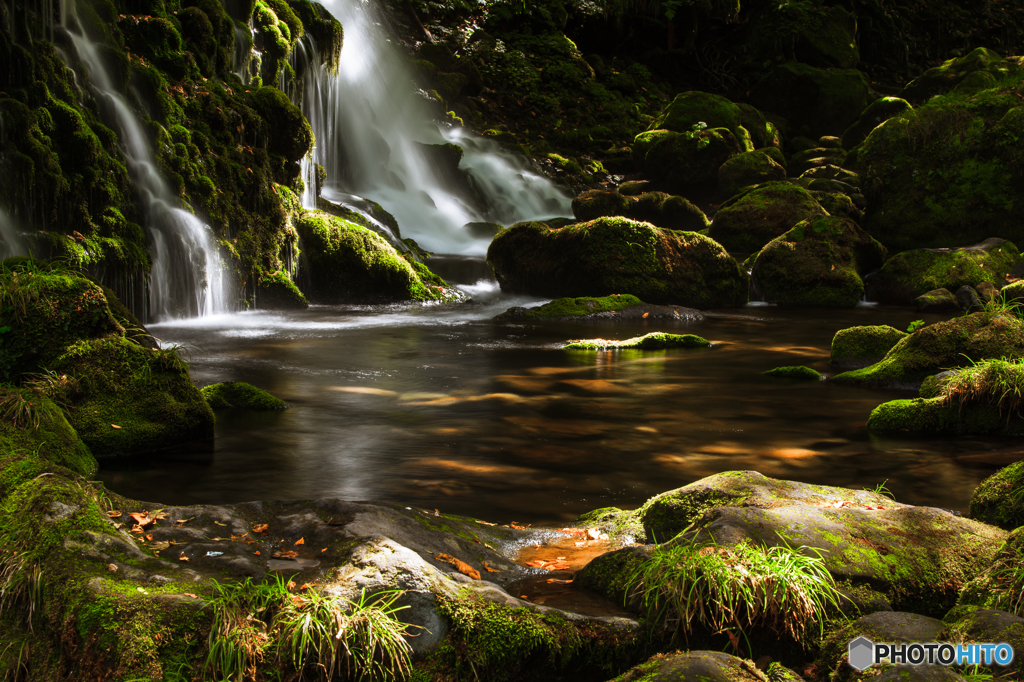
[{"x": 438, "y": 407}]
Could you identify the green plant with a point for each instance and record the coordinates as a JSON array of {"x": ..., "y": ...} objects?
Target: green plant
[
  {"x": 21, "y": 586},
  {"x": 696, "y": 132},
  {"x": 914, "y": 326},
  {"x": 733, "y": 588},
  {"x": 976, "y": 673},
  {"x": 995, "y": 382},
  {"x": 14, "y": 659},
  {"x": 19, "y": 410},
  {"x": 999, "y": 305},
  {"x": 880, "y": 489}
]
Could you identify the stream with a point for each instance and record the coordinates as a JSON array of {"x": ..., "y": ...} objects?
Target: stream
[{"x": 438, "y": 407}]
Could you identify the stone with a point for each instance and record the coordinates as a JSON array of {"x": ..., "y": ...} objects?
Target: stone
[
  {"x": 937, "y": 301},
  {"x": 748, "y": 221}
]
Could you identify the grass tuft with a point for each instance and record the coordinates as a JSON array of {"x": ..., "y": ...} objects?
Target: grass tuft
[
  {"x": 987, "y": 382},
  {"x": 727, "y": 589}
]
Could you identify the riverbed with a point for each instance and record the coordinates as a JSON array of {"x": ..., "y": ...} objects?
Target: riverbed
[{"x": 439, "y": 407}]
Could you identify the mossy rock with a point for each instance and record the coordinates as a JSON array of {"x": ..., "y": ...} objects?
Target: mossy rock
[
  {"x": 863, "y": 346},
  {"x": 694, "y": 666},
  {"x": 879, "y": 111},
  {"x": 910, "y": 274},
  {"x": 952, "y": 343},
  {"x": 291, "y": 137},
  {"x": 999, "y": 586},
  {"x": 838, "y": 204},
  {"x": 999, "y": 499},
  {"x": 39, "y": 440},
  {"x": 947, "y": 76},
  {"x": 652, "y": 341},
  {"x": 596, "y": 203},
  {"x": 813, "y": 101},
  {"x": 794, "y": 373},
  {"x": 582, "y": 306},
  {"x": 747, "y": 222},
  {"x": 936, "y": 416},
  {"x": 348, "y": 263},
  {"x": 749, "y": 168},
  {"x": 617, "y": 255},
  {"x": 242, "y": 395},
  {"x": 43, "y": 310},
  {"x": 969, "y": 623},
  {"x": 130, "y": 400},
  {"x": 818, "y": 263},
  {"x": 657, "y": 208},
  {"x": 685, "y": 163},
  {"x": 946, "y": 173},
  {"x": 692, "y": 108},
  {"x": 937, "y": 301},
  {"x": 801, "y": 162},
  {"x": 276, "y": 291},
  {"x": 864, "y": 537}
]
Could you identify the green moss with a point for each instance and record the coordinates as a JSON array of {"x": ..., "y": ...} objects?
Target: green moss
[
  {"x": 241, "y": 394},
  {"x": 276, "y": 291},
  {"x": 936, "y": 416},
  {"x": 864, "y": 345},
  {"x": 125, "y": 399},
  {"x": 745, "y": 170},
  {"x": 685, "y": 163},
  {"x": 666, "y": 515},
  {"x": 582, "y": 306},
  {"x": 879, "y": 111},
  {"x": 652, "y": 341},
  {"x": 943, "y": 345},
  {"x": 747, "y": 222},
  {"x": 694, "y": 107},
  {"x": 999, "y": 499},
  {"x": 797, "y": 373}
]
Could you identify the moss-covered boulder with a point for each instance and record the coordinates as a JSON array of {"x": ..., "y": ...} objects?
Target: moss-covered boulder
[
  {"x": 685, "y": 163},
  {"x": 818, "y": 263},
  {"x": 242, "y": 395},
  {"x": 652, "y": 341},
  {"x": 951, "y": 73},
  {"x": 977, "y": 625},
  {"x": 813, "y": 101},
  {"x": 863, "y": 346},
  {"x": 694, "y": 666},
  {"x": 937, "y": 301},
  {"x": 952, "y": 343},
  {"x": 749, "y": 168},
  {"x": 44, "y": 309},
  {"x": 908, "y": 275},
  {"x": 999, "y": 499},
  {"x": 277, "y": 291},
  {"x": 941, "y": 417},
  {"x": 879, "y": 111},
  {"x": 124, "y": 399},
  {"x": 1000, "y": 584},
  {"x": 816, "y": 157},
  {"x": 585, "y": 308},
  {"x": 947, "y": 173},
  {"x": 794, "y": 373},
  {"x": 745, "y": 223},
  {"x": 863, "y": 537},
  {"x": 617, "y": 255},
  {"x": 657, "y": 208},
  {"x": 692, "y": 108},
  {"x": 344, "y": 262}
]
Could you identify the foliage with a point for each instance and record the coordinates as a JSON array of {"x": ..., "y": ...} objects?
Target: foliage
[
  {"x": 987, "y": 382},
  {"x": 733, "y": 588},
  {"x": 914, "y": 326}
]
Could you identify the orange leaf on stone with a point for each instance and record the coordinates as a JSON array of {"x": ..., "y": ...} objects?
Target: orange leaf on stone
[
  {"x": 460, "y": 565},
  {"x": 489, "y": 569},
  {"x": 259, "y": 528},
  {"x": 182, "y": 557},
  {"x": 286, "y": 554},
  {"x": 300, "y": 541}
]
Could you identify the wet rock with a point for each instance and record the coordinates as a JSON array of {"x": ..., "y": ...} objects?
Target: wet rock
[
  {"x": 652, "y": 341},
  {"x": 967, "y": 299},
  {"x": 937, "y": 301},
  {"x": 877, "y": 113},
  {"x": 276, "y": 291},
  {"x": 910, "y": 274},
  {"x": 998, "y": 499},
  {"x": 744, "y": 170},
  {"x": 685, "y": 163},
  {"x": 615, "y": 308},
  {"x": 952, "y": 343},
  {"x": 795, "y": 374},
  {"x": 695, "y": 666},
  {"x": 817, "y": 263},
  {"x": 748, "y": 221},
  {"x": 657, "y": 208},
  {"x": 617, "y": 255},
  {"x": 241, "y": 394},
  {"x": 863, "y": 346}
]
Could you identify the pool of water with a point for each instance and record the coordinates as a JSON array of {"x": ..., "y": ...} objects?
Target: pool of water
[{"x": 438, "y": 407}]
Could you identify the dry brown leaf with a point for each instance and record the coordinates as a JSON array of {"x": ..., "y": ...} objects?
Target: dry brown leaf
[
  {"x": 257, "y": 552},
  {"x": 291, "y": 586},
  {"x": 142, "y": 518},
  {"x": 645, "y": 315},
  {"x": 484, "y": 523},
  {"x": 300, "y": 541},
  {"x": 114, "y": 514},
  {"x": 149, "y": 537},
  {"x": 460, "y": 565},
  {"x": 115, "y": 426},
  {"x": 489, "y": 569},
  {"x": 112, "y": 568},
  {"x": 184, "y": 520},
  {"x": 286, "y": 554},
  {"x": 259, "y": 528},
  {"x": 220, "y": 524},
  {"x": 159, "y": 546},
  {"x": 518, "y": 527},
  {"x": 190, "y": 595},
  {"x": 183, "y": 557}
]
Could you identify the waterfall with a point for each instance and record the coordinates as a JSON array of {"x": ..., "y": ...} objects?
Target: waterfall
[
  {"x": 371, "y": 127},
  {"x": 12, "y": 243},
  {"x": 187, "y": 278}
]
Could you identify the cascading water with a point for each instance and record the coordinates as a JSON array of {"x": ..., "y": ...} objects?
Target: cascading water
[
  {"x": 187, "y": 278},
  {"x": 371, "y": 129},
  {"x": 12, "y": 243}
]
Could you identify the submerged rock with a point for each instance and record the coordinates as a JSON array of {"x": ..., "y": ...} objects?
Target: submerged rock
[
  {"x": 617, "y": 255},
  {"x": 797, "y": 373},
  {"x": 652, "y": 341},
  {"x": 818, "y": 263},
  {"x": 615, "y": 307},
  {"x": 241, "y": 394}
]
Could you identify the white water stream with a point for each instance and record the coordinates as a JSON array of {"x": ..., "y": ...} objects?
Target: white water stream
[
  {"x": 188, "y": 278},
  {"x": 370, "y": 124},
  {"x": 12, "y": 243}
]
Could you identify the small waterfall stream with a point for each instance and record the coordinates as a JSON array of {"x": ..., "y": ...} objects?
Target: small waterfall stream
[
  {"x": 187, "y": 278},
  {"x": 371, "y": 128},
  {"x": 12, "y": 243}
]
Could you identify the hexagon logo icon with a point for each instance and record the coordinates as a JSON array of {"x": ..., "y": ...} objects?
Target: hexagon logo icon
[{"x": 861, "y": 653}]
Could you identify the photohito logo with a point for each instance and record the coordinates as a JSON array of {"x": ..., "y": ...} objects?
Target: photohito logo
[{"x": 863, "y": 653}]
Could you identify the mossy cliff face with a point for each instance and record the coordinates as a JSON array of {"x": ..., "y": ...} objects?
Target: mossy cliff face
[{"x": 617, "y": 255}]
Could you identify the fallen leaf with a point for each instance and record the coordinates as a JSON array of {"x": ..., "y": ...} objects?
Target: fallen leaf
[
  {"x": 300, "y": 541},
  {"x": 291, "y": 586},
  {"x": 178, "y": 543},
  {"x": 115, "y": 426},
  {"x": 286, "y": 554},
  {"x": 160, "y": 514},
  {"x": 308, "y": 586},
  {"x": 190, "y": 595},
  {"x": 257, "y": 552},
  {"x": 184, "y": 520},
  {"x": 645, "y": 315},
  {"x": 159, "y": 546},
  {"x": 260, "y": 528},
  {"x": 298, "y": 601},
  {"x": 437, "y": 513},
  {"x": 323, "y": 550},
  {"x": 183, "y": 557},
  {"x": 484, "y": 523},
  {"x": 518, "y": 527},
  {"x": 114, "y": 514},
  {"x": 219, "y": 523},
  {"x": 150, "y": 538},
  {"x": 142, "y": 518},
  {"x": 112, "y": 568},
  {"x": 136, "y": 528},
  {"x": 489, "y": 569},
  {"x": 460, "y": 565}
]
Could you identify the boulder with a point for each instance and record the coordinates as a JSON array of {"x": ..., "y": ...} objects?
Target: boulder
[
  {"x": 801, "y": 162},
  {"x": 951, "y": 73},
  {"x": 744, "y": 170},
  {"x": 276, "y": 291},
  {"x": 818, "y": 263},
  {"x": 652, "y": 341},
  {"x": 344, "y": 262},
  {"x": 814, "y": 101},
  {"x": 879, "y": 111},
  {"x": 999, "y": 586},
  {"x": 242, "y": 395},
  {"x": 910, "y": 274},
  {"x": 999, "y": 499},
  {"x": 973, "y": 624},
  {"x": 937, "y": 301},
  {"x": 797, "y": 373},
  {"x": 586, "y": 308},
  {"x": 862, "y": 346},
  {"x": 952, "y": 343},
  {"x": 617, "y": 255},
  {"x": 695, "y": 666},
  {"x": 692, "y": 108},
  {"x": 968, "y": 300},
  {"x": 939, "y": 416},
  {"x": 745, "y": 223},
  {"x": 657, "y": 208},
  {"x": 685, "y": 163}
]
